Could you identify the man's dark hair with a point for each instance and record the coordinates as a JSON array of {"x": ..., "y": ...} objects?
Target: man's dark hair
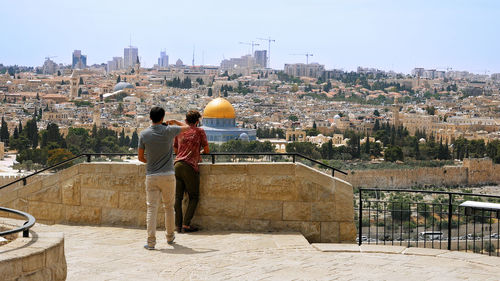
[
  {"x": 192, "y": 117},
  {"x": 156, "y": 114}
]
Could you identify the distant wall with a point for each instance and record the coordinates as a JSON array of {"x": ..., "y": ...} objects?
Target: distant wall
[
  {"x": 234, "y": 196},
  {"x": 472, "y": 172}
]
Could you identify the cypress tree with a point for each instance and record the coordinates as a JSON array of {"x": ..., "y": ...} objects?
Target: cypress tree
[
  {"x": 134, "y": 143},
  {"x": 4, "y": 132}
]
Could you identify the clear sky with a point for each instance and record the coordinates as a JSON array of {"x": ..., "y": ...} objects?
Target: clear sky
[{"x": 386, "y": 34}]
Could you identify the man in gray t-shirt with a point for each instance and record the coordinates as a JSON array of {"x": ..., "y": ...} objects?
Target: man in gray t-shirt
[{"x": 156, "y": 150}]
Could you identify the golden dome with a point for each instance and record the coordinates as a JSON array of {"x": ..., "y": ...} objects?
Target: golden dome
[{"x": 219, "y": 108}]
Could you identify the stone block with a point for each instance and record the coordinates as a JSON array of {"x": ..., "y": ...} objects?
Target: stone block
[
  {"x": 271, "y": 169},
  {"x": 23, "y": 191},
  {"x": 273, "y": 188},
  {"x": 112, "y": 216},
  {"x": 313, "y": 175},
  {"x": 69, "y": 173},
  {"x": 132, "y": 201},
  {"x": 35, "y": 261},
  {"x": 99, "y": 198},
  {"x": 50, "y": 181},
  {"x": 94, "y": 168},
  {"x": 260, "y": 225},
  {"x": 46, "y": 211},
  {"x": 70, "y": 191},
  {"x": 221, "y": 223},
  {"x": 229, "y": 187},
  {"x": 124, "y": 169},
  {"x": 347, "y": 232},
  {"x": 220, "y": 207},
  {"x": 325, "y": 193},
  {"x": 10, "y": 269},
  {"x": 54, "y": 255},
  {"x": 330, "y": 232},
  {"x": 40, "y": 275},
  {"x": 263, "y": 209},
  {"x": 344, "y": 210},
  {"x": 323, "y": 211},
  {"x": 8, "y": 194},
  {"x": 307, "y": 191},
  {"x": 83, "y": 214},
  {"x": 128, "y": 182},
  {"x": 228, "y": 169},
  {"x": 50, "y": 194},
  {"x": 297, "y": 211}
]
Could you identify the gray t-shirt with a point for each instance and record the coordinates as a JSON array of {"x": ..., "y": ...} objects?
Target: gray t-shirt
[{"x": 157, "y": 142}]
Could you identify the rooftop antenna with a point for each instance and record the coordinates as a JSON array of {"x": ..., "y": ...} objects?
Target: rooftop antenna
[{"x": 269, "y": 40}]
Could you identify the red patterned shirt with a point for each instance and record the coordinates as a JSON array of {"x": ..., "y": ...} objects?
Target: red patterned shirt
[{"x": 189, "y": 144}]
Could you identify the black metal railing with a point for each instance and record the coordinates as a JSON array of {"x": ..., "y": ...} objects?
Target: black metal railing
[
  {"x": 26, "y": 226},
  {"x": 213, "y": 156},
  {"x": 429, "y": 219}
]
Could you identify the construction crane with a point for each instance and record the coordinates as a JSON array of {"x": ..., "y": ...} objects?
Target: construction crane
[
  {"x": 269, "y": 40},
  {"x": 250, "y": 44},
  {"x": 305, "y": 54}
]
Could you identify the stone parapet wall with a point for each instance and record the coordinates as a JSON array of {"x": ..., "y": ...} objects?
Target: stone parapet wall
[
  {"x": 38, "y": 258},
  {"x": 233, "y": 196}
]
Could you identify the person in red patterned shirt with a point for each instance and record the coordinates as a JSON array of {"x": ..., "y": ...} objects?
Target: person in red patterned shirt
[{"x": 188, "y": 146}]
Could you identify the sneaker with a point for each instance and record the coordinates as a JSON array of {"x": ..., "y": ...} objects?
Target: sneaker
[
  {"x": 171, "y": 240},
  {"x": 189, "y": 229},
  {"x": 147, "y": 247}
]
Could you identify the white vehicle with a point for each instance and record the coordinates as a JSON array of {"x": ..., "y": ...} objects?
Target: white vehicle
[{"x": 431, "y": 235}]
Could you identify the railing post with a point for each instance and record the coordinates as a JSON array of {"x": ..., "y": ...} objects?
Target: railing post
[
  {"x": 360, "y": 222},
  {"x": 24, "y": 181},
  {"x": 213, "y": 158},
  {"x": 88, "y": 158},
  {"x": 333, "y": 172},
  {"x": 450, "y": 210},
  {"x": 293, "y": 158},
  {"x": 26, "y": 233}
]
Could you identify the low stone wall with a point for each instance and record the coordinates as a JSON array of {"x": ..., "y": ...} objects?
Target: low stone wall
[
  {"x": 234, "y": 196},
  {"x": 472, "y": 172},
  {"x": 39, "y": 257}
]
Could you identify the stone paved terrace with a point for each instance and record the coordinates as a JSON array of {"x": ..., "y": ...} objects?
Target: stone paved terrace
[{"x": 116, "y": 253}]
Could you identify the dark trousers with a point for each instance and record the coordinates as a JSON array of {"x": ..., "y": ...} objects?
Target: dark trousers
[{"x": 186, "y": 180}]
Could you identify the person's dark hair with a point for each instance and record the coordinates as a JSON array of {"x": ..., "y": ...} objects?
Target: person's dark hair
[
  {"x": 156, "y": 114},
  {"x": 192, "y": 116}
]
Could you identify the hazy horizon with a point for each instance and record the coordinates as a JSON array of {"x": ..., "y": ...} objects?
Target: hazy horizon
[{"x": 388, "y": 35}]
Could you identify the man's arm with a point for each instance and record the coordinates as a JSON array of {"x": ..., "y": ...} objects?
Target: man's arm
[
  {"x": 183, "y": 126},
  {"x": 141, "y": 156}
]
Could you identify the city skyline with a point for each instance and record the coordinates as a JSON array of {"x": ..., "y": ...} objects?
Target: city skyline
[{"x": 382, "y": 34}]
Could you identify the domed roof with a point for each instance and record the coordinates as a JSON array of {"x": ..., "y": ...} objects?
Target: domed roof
[
  {"x": 219, "y": 108},
  {"x": 336, "y": 117},
  {"x": 122, "y": 85},
  {"x": 244, "y": 137}
]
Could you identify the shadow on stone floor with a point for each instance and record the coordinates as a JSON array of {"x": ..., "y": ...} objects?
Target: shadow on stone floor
[{"x": 183, "y": 250}]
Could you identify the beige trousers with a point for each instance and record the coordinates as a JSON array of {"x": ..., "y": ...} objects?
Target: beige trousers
[{"x": 157, "y": 186}]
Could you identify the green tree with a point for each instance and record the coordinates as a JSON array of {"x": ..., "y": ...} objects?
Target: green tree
[
  {"x": 81, "y": 81},
  {"x": 305, "y": 148},
  {"x": 210, "y": 92},
  {"x": 393, "y": 153},
  {"x": 119, "y": 79},
  {"x": 293, "y": 118},
  {"x": 59, "y": 155},
  {"x": 4, "y": 132},
  {"x": 134, "y": 142},
  {"x": 376, "y": 113}
]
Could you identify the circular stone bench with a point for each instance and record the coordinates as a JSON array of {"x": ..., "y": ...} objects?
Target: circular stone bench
[{"x": 38, "y": 257}]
